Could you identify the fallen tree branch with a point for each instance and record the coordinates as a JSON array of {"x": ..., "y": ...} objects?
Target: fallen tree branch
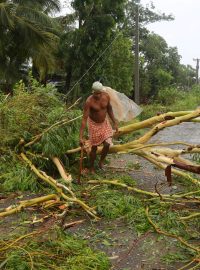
[
  {"x": 72, "y": 224},
  {"x": 180, "y": 239},
  {"x": 59, "y": 188},
  {"x": 195, "y": 215},
  {"x": 160, "y": 157},
  {"x": 153, "y": 159},
  {"x": 144, "y": 124},
  {"x": 65, "y": 176},
  {"x": 168, "y": 123},
  {"x": 27, "y": 203},
  {"x": 58, "y": 124},
  {"x": 139, "y": 191},
  {"x": 151, "y": 121}
]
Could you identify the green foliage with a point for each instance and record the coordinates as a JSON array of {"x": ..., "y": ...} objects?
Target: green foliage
[
  {"x": 172, "y": 99},
  {"x": 174, "y": 257},
  {"x": 24, "y": 114},
  {"x": 60, "y": 250},
  {"x": 196, "y": 157},
  {"x": 33, "y": 110},
  {"x": 116, "y": 67},
  {"x": 167, "y": 220},
  {"x": 151, "y": 110},
  {"x": 103, "y": 28},
  {"x": 80, "y": 47},
  {"x": 58, "y": 140},
  {"x": 169, "y": 96},
  {"x": 112, "y": 202},
  {"x": 30, "y": 111},
  {"x": 188, "y": 100},
  {"x": 160, "y": 68},
  {"x": 34, "y": 36},
  {"x": 16, "y": 176},
  {"x": 163, "y": 78}
]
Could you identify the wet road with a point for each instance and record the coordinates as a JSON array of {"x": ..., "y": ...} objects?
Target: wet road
[{"x": 186, "y": 132}]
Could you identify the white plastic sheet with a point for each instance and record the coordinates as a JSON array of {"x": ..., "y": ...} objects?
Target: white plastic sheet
[{"x": 124, "y": 108}]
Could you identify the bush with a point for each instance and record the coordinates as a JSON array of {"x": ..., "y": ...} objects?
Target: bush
[
  {"x": 151, "y": 110},
  {"x": 169, "y": 96},
  {"x": 33, "y": 110},
  {"x": 172, "y": 99}
]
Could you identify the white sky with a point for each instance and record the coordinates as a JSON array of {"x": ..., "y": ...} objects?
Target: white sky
[{"x": 183, "y": 32}]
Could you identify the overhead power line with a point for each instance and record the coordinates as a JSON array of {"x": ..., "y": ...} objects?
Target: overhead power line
[{"x": 92, "y": 64}]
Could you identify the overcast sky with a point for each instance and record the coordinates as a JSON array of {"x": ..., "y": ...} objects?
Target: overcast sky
[{"x": 183, "y": 32}]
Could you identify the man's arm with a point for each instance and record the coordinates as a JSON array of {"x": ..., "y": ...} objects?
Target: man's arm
[
  {"x": 84, "y": 120},
  {"x": 111, "y": 115}
]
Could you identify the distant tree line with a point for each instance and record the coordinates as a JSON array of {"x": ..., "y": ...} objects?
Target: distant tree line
[{"x": 94, "y": 40}]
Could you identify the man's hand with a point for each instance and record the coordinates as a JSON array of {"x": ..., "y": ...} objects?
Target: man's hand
[
  {"x": 81, "y": 142},
  {"x": 116, "y": 127}
]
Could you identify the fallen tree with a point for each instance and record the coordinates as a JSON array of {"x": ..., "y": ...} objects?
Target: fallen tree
[
  {"x": 159, "y": 154},
  {"x": 40, "y": 134},
  {"x": 38, "y": 139}
]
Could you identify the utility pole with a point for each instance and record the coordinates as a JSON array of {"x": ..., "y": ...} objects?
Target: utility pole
[
  {"x": 197, "y": 69},
  {"x": 137, "y": 90}
]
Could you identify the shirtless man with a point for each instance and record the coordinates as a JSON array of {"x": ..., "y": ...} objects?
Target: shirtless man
[{"x": 95, "y": 112}]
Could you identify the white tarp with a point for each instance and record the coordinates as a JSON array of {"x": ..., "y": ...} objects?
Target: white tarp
[{"x": 124, "y": 108}]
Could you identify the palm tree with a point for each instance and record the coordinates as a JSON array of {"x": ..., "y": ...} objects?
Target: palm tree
[{"x": 27, "y": 33}]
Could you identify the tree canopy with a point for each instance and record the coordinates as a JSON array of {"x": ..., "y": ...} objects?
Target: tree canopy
[
  {"x": 94, "y": 40},
  {"x": 27, "y": 34}
]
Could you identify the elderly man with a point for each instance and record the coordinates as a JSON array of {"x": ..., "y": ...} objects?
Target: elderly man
[{"x": 95, "y": 112}]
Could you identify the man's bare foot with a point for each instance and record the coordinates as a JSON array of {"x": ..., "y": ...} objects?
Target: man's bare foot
[{"x": 101, "y": 166}]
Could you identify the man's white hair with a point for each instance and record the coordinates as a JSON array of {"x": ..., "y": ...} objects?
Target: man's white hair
[{"x": 97, "y": 86}]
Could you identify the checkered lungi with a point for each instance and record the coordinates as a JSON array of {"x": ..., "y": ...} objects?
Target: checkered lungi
[{"x": 99, "y": 132}]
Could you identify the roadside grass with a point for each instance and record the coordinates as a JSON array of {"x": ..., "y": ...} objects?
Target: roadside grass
[{"x": 172, "y": 101}]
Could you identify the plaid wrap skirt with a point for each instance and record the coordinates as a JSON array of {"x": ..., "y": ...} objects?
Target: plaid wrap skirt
[{"x": 99, "y": 132}]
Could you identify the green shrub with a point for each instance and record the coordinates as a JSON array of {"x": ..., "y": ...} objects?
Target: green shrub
[
  {"x": 172, "y": 99},
  {"x": 151, "y": 110},
  {"x": 169, "y": 96},
  {"x": 32, "y": 110}
]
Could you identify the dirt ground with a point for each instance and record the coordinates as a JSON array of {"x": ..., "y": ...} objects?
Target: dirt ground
[{"x": 127, "y": 251}]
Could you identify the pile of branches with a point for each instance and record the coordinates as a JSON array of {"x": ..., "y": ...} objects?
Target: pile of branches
[{"x": 38, "y": 131}]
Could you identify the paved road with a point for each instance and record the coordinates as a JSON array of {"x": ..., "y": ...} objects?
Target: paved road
[
  {"x": 147, "y": 175},
  {"x": 186, "y": 132}
]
